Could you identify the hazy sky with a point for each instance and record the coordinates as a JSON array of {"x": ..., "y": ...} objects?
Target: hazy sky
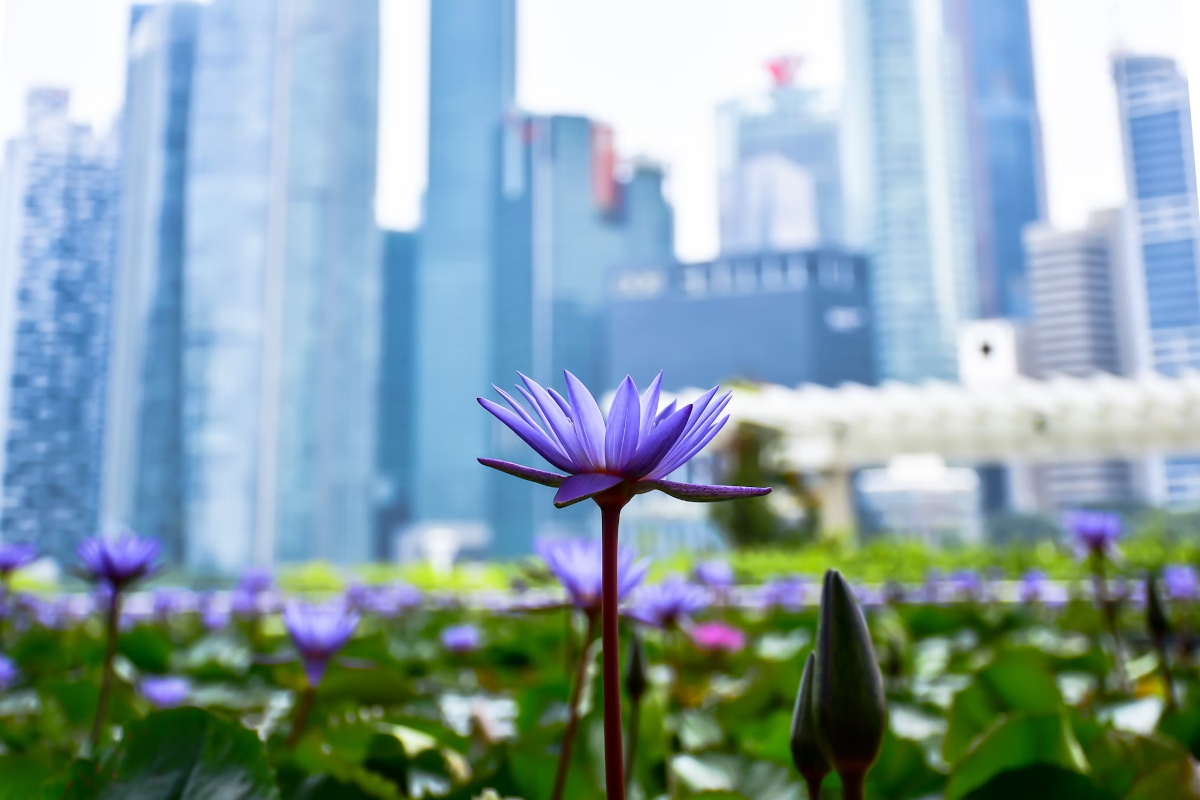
[{"x": 655, "y": 70}]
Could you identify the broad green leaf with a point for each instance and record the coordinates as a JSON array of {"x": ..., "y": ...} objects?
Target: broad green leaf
[
  {"x": 21, "y": 777},
  {"x": 1017, "y": 741},
  {"x": 1120, "y": 759}
]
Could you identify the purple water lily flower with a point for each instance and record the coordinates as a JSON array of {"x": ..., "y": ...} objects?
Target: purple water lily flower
[
  {"x": 169, "y": 601},
  {"x": 666, "y": 604},
  {"x": 577, "y": 565},
  {"x": 966, "y": 584},
  {"x": 393, "y": 599},
  {"x": 639, "y": 447},
  {"x": 714, "y": 574},
  {"x": 1033, "y": 586},
  {"x": 1095, "y": 532},
  {"x": 14, "y": 555},
  {"x": 213, "y": 617},
  {"x": 1181, "y": 582},
  {"x": 165, "y": 692},
  {"x": 460, "y": 638},
  {"x": 8, "y": 672},
  {"x": 786, "y": 593},
  {"x": 255, "y": 580},
  {"x": 318, "y": 632},
  {"x": 120, "y": 560}
]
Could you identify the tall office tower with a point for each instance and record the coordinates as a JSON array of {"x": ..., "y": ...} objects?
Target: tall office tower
[
  {"x": 564, "y": 224},
  {"x": 1004, "y": 146},
  {"x": 780, "y": 174},
  {"x": 394, "y": 429},
  {"x": 1077, "y": 280},
  {"x": 58, "y": 209},
  {"x": 907, "y": 164},
  {"x": 143, "y": 448},
  {"x": 281, "y": 284},
  {"x": 472, "y": 58},
  {"x": 1162, "y": 216}
]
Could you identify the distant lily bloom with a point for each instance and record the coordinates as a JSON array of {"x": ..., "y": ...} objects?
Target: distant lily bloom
[
  {"x": 1033, "y": 586},
  {"x": 576, "y": 564},
  {"x": 169, "y": 601},
  {"x": 965, "y": 584},
  {"x": 119, "y": 561},
  {"x": 717, "y": 637},
  {"x": 460, "y": 638},
  {"x": 639, "y": 447},
  {"x": 1095, "y": 532},
  {"x": 14, "y": 556},
  {"x": 714, "y": 574},
  {"x": 318, "y": 632},
  {"x": 666, "y": 604},
  {"x": 165, "y": 692},
  {"x": 393, "y": 599},
  {"x": 1182, "y": 582},
  {"x": 785, "y": 593},
  {"x": 8, "y": 672},
  {"x": 255, "y": 580}
]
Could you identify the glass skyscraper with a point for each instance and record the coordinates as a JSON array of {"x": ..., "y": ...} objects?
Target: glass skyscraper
[
  {"x": 143, "y": 453},
  {"x": 58, "y": 214},
  {"x": 908, "y": 166},
  {"x": 1004, "y": 144},
  {"x": 472, "y": 57},
  {"x": 1160, "y": 179},
  {"x": 281, "y": 284}
]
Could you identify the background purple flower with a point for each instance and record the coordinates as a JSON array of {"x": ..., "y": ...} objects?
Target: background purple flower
[
  {"x": 460, "y": 638},
  {"x": 255, "y": 580},
  {"x": 577, "y": 565},
  {"x": 393, "y": 599},
  {"x": 1181, "y": 582},
  {"x": 714, "y": 574},
  {"x": 213, "y": 616},
  {"x": 318, "y": 632},
  {"x": 1033, "y": 586},
  {"x": 665, "y": 604},
  {"x": 1095, "y": 532},
  {"x": 965, "y": 584},
  {"x": 14, "y": 555},
  {"x": 785, "y": 593},
  {"x": 165, "y": 692},
  {"x": 119, "y": 560},
  {"x": 8, "y": 672},
  {"x": 169, "y": 601},
  {"x": 718, "y": 637}
]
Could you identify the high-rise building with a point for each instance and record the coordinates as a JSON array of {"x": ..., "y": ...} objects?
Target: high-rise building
[
  {"x": 780, "y": 172},
  {"x": 908, "y": 166},
  {"x": 1004, "y": 145},
  {"x": 397, "y": 391},
  {"x": 472, "y": 59},
  {"x": 1077, "y": 282},
  {"x": 143, "y": 452},
  {"x": 1162, "y": 217},
  {"x": 58, "y": 212},
  {"x": 281, "y": 284}
]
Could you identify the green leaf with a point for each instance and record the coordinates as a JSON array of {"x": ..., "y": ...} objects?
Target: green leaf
[
  {"x": 1017, "y": 741},
  {"x": 148, "y": 648},
  {"x": 1120, "y": 759},
  {"x": 21, "y": 777},
  {"x": 186, "y": 754},
  {"x": 1040, "y": 782}
]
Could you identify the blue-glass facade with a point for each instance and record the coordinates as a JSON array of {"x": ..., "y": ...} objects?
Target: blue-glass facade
[
  {"x": 1005, "y": 146},
  {"x": 143, "y": 458},
  {"x": 471, "y": 84},
  {"x": 281, "y": 284},
  {"x": 784, "y": 318},
  {"x": 907, "y": 139},
  {"x": 58, "y": 215}
]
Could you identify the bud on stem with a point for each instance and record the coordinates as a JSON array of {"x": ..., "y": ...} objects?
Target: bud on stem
[{"x": 810, "y": 761}]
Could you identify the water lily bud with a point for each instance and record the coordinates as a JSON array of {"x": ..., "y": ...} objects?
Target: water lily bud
[
  {"x": 1156, "y": 618},
  {"x": 810, "y": 761},
  {"x": 850, "y": 707},
  {"x": 636, "y": 682}
]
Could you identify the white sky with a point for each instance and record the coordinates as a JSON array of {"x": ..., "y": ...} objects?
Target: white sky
[{"x": 655, "y": 70}]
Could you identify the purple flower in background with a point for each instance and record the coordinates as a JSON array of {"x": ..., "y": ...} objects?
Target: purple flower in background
[
  {"x": 576, "y": 564},
  {"x": 120, "y": 560},
  {"x": 714, "y": 574},
  {"x": 165, "y": 692},
  {"x": 782, "y": 593},
  {"x": 213, "y": 616},
  {"x": 640, "y": 445},
  {"x": 1033, "y": 586},
  {"x": 255, "y": 580},
  {"x": 318, "y": 631},
  {"x": 665, "y": 604},
  {"x": 1095, "y": 532},
  {"x": 358, "y": 596},
  {"x": 8, "y": 672},
  {"x": 1182, "y": 582},
  {"x": 718, "y": 637},
  {"x": 393, "y": 599},
  {"x": 965, "y": 583},
  {"x": 15, "y": 555},
  {"x": 169, "y": 601},
  {"x": 460, "y": 638}
]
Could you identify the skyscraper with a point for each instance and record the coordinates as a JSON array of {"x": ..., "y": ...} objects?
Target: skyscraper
[
  {"x": 143, "y": 453},
  {"x": 1004, "y": 145},
  {"x": 908, "y": 165},
  {"x": 472, "y": 58},
  {"x": 281, "y": 283},
  {"x": 1162, "y": 216},
  {"x": 58, "y": 209}
]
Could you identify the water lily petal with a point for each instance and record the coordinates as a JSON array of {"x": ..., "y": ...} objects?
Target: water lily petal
[
  {"x": 589, "y": 422},
  {"x": 581, "y": 487},
  {"x": 677, "y": 458},
  {"x": 624, "y": 420},
  {"x": 525, "y": 473},
  {"x": 657, "y": 444},
  {"x": 650, "y": 406},
  {"x": 700, "y": 493},
  {"x": 532, "y": 436},
  {"x": 559, "y": 422}
]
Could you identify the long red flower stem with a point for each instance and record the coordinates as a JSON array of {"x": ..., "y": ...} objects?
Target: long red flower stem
[
  {"x": 614, "y": 758},
  {"x": 564, "y": 754},
  {"x": 303, "y": 707},
  {"x": 110, "y": 652}
]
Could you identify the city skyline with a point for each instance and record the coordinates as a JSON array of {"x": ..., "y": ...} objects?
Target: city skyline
[{"x": 567, "y": 66}]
